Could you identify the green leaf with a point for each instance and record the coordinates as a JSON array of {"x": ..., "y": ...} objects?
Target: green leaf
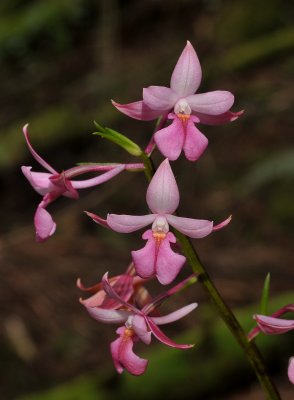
[
  {"x": 119, "y": 139},
  {"x": 265, "y": 295}
]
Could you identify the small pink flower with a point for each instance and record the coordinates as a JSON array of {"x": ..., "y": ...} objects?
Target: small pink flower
[
  {"x": 53, "y": 184},
  {"x": 211, "y": 108},
  {"x": 274, "y": 325},
  {"x": 139, "y": 324},
  {"x": 157, "y": 258}
]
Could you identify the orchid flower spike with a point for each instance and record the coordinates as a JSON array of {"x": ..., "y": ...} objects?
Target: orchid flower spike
[
  {"x": 157, "y": 258},
  {"x": 179, "y": 104},
  {"x": 52, "y": 184},
  {"x": 139, "y": 324},
  {"x": 274, "y": 325}
]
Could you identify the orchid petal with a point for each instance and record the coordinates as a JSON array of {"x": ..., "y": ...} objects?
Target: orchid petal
[
  {"x": 129, "y": 223},
  {"x": 39, "y": 180},
  {"x": 138, "y": 110},
  {"x": 91, "y": 289},
  {"x": 274, "y": 326},
  {"x": 222, "y": 224},
  {"x": 158, "y": 300},
  {"x": 211, "y": 103},
  {"x": 114, "y": 349},
  {"x": 144, "y": 259},
  {"x": 97, "y": 180},
  {"x": 174, "y": 316},
  {"x": 141, "y": 329},
  {"x": 110, "y": 291},
  {"x": 108, "y": 316},
  {"x": 168, "y": 263},
  {"x": 170, "y": 140},
  {"x": 124, "y": 357},
  {"x": 194, "y": 228},
  {"x": 123, "y": 286},
  {"x": 291, "y": 370},
  {"x": 89, "y": 168},
  {"x": 159, "y": 98},
  {"x": 187, "y": 74},
  {"x": 44, "y": 224},
  {"x": 64, "y": 186},
  {"x": 36, "y": 156},
  {"x": 195, "y": 142},
  {"x": 163, "y": 338},
  {"x": 163, "y": 193},
  {"x": 220, "y": 119},
  {"x": 97, "y": 219}
]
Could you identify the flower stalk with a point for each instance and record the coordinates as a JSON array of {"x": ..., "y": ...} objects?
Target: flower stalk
[{"x": 250, "y": 349}]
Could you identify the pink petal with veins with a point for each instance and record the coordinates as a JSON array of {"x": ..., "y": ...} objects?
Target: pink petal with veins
[
  {"x": 291, "y": 370},
  {"x": 138, "y": 110},
  {"x": 40, "y": 181},
  {"x": 163, "y": 194},
  {"x": 211, "y": 103},
  {"x": 168, "y": 263},
  {"x": 129, "y": 223},
  {"x": 187, "y": 74},
  {"x": 195, "y": 142},
  {"x": 110, "y": 291},
  {"x": 274, "y": 326},
  {"x": 170, "y": 140},
  {"x": 163, "y": 338},
  {"x": 44, "y": 224},
  {"x": 124, "y": 357},
  {"x": 159, "y": 98},
  {"x": 220, "y": 119},
  {"x": 194, "y": 228},
  {"x": 144, "y": 259},
  {"x": 122, "y": 284},
  {"x": 174, "y": 316},
  {"x": 158, "y": 259}
]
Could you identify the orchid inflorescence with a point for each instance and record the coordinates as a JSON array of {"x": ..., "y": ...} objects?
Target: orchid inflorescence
[{"x": 124, "y": 299}]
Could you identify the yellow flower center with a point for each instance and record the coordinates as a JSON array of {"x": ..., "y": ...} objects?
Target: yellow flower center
[{"x": 159, "y": 237}]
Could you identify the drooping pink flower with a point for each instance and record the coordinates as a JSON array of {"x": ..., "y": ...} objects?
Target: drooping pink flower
[
  {"x": 274, "y": 325},
  {"x": 139, "y": 324},
  {"x": 157, "y": 258},
  {"x": 188, "y": 109},
  {"x": 53, "y": 184}
]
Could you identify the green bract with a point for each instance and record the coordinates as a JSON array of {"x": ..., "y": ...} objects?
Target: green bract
[{"x": 119, "y": 139}]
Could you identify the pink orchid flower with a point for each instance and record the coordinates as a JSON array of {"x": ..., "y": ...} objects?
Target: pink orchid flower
[
  {"x": 138, "y": 325},
  {"x": 211, "y": 108},
  {"x": 157, "y": 258},
  {"x": 53, "y": 184},
  {"x": 274, "y": 325},
  {"x": 128, "y": 286}
]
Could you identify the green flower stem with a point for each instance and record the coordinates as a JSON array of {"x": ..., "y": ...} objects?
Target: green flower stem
[{"x": 249, "y": 348}]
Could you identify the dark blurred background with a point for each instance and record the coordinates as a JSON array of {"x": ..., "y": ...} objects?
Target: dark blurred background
[{"x": 61, "y": 61}]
